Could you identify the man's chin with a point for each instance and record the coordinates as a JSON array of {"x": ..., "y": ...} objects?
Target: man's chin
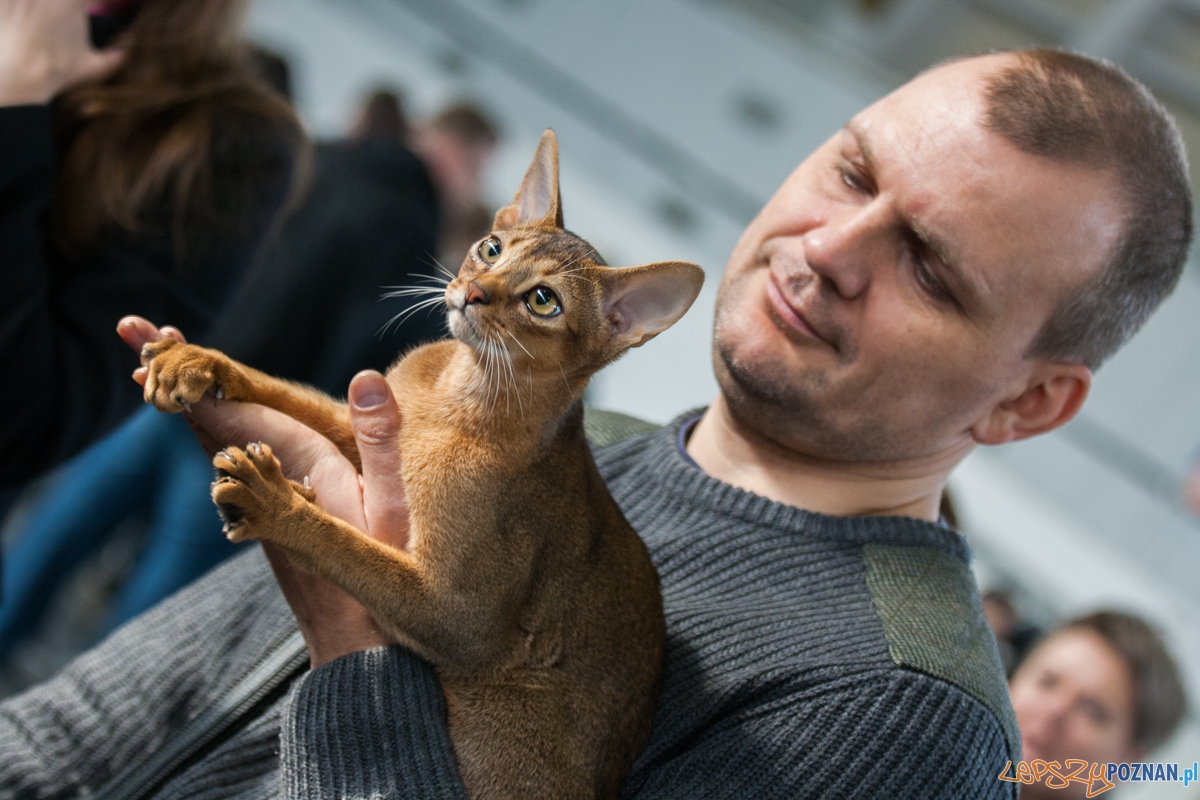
[
  {"x": 798, "y": 410},
  {"x": 761, "y": 384}
]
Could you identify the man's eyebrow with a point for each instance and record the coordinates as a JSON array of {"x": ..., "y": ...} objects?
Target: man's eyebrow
[
  {"x": 963, "y": 288},
  {"x": 863, "y": 144}
]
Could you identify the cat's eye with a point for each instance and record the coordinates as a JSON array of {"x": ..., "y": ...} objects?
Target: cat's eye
[
  {"x": 489, "y": 249},
  {"x": 543, "y": 302}
]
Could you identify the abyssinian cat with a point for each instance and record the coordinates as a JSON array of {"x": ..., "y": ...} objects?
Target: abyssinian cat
[{"x": 522, "y": 583}]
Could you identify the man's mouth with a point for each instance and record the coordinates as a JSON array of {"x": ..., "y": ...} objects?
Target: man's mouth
[{"x": 788, "y": 314}]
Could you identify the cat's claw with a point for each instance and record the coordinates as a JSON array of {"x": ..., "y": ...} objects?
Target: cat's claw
[{"x": 251, "y": 491}]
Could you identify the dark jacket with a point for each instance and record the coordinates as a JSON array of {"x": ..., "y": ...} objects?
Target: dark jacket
[
  {"x": 64, "y": 371},
  {"x": 311, "y": 310}
]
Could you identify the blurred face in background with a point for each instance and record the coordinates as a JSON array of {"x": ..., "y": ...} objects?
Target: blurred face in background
[
  {"x": 881, "y": 304},
  {"x": 456, "y": 164},
  {"x": 1074, "y": 698}
]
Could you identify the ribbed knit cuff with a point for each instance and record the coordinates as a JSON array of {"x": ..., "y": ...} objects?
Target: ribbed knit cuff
[{"x": 368, "y": 724}]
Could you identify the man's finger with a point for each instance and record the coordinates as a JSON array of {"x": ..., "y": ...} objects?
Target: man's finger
[
  {"x": 297, "y": 446},
  {"x": 376, "y": 423},
  {"x": 302, "y": 452},
  {"x": 137, "y": 332}
]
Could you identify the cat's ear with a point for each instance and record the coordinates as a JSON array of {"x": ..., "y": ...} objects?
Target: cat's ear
[
  {"x": 642, "y": 302},
  {"x": 536, "y": 203}
]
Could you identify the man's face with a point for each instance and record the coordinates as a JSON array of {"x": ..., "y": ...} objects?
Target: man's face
[
  {"x": 881, "y": 304},
  {"x": 1073, "y": 697}
]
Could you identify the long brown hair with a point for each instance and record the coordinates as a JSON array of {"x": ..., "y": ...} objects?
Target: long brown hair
[{"x": 178, "y": 139}]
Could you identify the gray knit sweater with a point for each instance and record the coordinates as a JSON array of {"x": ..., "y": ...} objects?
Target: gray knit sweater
[{"x": 807, "y": 656}]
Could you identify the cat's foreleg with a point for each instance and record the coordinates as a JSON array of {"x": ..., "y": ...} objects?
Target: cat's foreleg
[
  {"x": 401, "y": 592},
  {"x": 180, "y": 374}
]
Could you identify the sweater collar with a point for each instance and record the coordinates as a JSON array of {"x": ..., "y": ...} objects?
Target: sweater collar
[{"x": 679, "y": 476}]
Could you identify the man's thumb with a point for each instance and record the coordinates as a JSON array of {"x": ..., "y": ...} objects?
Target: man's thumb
[{"x": 375, "y": 420}]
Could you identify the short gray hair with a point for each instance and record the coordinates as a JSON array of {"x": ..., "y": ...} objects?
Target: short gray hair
[{"x": 1079, "y": 110}]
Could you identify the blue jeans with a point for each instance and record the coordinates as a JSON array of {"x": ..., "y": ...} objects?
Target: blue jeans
[{"x": 151, "y": 463}]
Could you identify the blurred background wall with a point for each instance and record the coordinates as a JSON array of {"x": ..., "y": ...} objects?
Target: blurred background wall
[{"x": 678, "y": 118}]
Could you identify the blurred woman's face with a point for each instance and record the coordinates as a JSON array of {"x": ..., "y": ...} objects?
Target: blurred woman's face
[{"x": 1073, "y": 697}]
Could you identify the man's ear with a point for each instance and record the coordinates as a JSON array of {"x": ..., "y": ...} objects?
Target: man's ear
[
  {"x": 536, "y": 203},
  {"x": 642, "y": 302},
  {"x": 1052, "y": 396}
]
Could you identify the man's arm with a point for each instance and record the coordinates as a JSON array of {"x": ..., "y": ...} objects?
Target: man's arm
[
  {"x": 120, "y": 703},
  {"x": 373, "y": 722}
]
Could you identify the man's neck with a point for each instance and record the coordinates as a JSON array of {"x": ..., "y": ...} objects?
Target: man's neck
[{"x": 741, "y": 456}]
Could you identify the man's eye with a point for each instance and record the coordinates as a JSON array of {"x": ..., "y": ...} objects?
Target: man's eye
[
  {"x": 929, "y": 282},
  {"x": 851, "y": 179}
]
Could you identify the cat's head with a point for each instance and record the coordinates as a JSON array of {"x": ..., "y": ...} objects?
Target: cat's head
[{"x": 543, "y": 300}]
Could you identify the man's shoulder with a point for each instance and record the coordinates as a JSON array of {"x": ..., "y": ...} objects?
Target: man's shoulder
[
  {"x": 933, "y": 620},
  {"x": 605, "y": 428}
]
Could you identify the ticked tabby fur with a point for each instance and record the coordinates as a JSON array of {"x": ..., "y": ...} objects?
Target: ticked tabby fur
[{"x": 522, "y": 583}]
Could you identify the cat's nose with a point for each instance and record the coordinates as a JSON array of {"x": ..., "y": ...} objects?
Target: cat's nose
[{"x": 476, "y": 294}]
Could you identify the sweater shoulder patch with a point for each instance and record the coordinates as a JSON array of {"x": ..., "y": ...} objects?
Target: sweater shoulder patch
[
  {"x": 933, "y": 619},
  {"x": 603, "y": 428}
]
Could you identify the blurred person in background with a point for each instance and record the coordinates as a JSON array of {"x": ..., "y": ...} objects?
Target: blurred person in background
[
  {"x": 314, "y": 309},
  {"x": 1101, "y": 688},
  {"x": 1013, "y": 635},
  {"x": 456, "y": 146},
  {"x": 141, "y": 177},
  {"x": 309, "y": 311}
]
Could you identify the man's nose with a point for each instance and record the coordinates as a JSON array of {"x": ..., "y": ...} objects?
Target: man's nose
[{"x": 848, "y": 247}]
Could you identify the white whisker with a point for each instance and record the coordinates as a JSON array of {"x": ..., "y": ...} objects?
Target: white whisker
[
  {"x": 413, "y": 291},
  {"x": 512, "y": 336},
  {"x": 403, "y": 315},
  {"x": 446, "y": 272},
  {"x": 432, "y": 261},
  {"x": 512, "y": 377}
]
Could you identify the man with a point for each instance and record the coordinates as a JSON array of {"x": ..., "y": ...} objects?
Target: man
[
  {"x": 1102, "y": 689},
  {"x": 944, "y": 272}
]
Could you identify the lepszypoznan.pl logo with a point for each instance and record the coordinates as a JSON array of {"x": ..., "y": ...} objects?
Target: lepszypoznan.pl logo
[{"x": 1098, "y": 778}]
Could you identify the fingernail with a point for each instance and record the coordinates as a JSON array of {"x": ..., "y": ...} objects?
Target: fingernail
[{"x": 368, "y": 391}]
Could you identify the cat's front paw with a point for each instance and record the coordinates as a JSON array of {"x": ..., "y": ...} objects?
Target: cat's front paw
[
  {"x": 179, "y": 374},
  {"x": 252, "y": 494}
]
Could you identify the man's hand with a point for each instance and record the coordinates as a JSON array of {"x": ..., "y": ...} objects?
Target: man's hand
[
  {"x": 44, "y": 48},
  {"x": 333, "y": 623}
]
